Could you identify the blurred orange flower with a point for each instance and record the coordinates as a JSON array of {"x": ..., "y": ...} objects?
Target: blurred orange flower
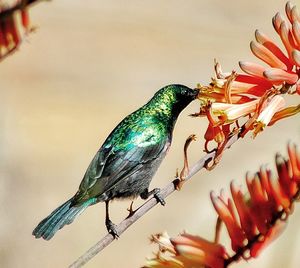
[
  {"x": 253, "y": 219},
  {"x": 11, "y": 34}
]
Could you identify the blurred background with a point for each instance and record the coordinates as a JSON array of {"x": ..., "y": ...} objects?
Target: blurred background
[{"x": 89, "y": 64}]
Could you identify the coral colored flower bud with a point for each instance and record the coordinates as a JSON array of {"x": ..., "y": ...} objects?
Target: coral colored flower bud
[
  {"x": 296, "y": 31},
  {"x": 234, "y": 230},
  {"x": 288, "y": 10},
  {"x": 252, "y": 68},
  {"x": 277, "y": 20},
  {"x": 270, "y": 45},
  {"x": 284, "y": 35},
  {"x": 279, "y": 75},
  {"x": 266, "y": 55}
]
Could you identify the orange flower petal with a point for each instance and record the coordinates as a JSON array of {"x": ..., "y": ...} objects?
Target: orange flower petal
[
  {"x": 5, "y": 31},
  {"x": 243, "y": 211},
  {"x": 298, "y": 87},
  {"x": 296, "y": 32},
  {"x": 269, "y": 44},
  {"x": 198, "y": 257},
  {"x": 277, "y": 102},
  {"x": 199, "y": 250},
  {"x": 232, "y": 112},
  {"x": 295, "y": 15},
  {"x": 277, "y": 20},
  {"x": 163, "y": 241},
  {"x": 255, "y": 80},
  {"x": 160, "y": 262},
  {"x": 235, "y": 232},
  {"x": 258, "y": 203},
  {"x": 279, "y": 75},
  {"x": 296, "y": 57},
  {"x": 295, "y": 162},
  {"x": 252, "y": 68},
  {"x": 272, "y": 234},
  {"x": 284, "y": 113},
  {"x": 288, "y": 10},
  {"x": 13, "y": 30},
  {"x": 266, "y": 55},
  {"x": 264, "y": 178},
  {"x": 284, "y": 35},
  {"x": 287, "y": 184},
  {"x": 199, "y": 242},
  {"x": 209, "y": 134},
  {"x": 278, "y": 193}
]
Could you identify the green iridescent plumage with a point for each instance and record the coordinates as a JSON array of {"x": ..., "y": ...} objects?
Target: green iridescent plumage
[{"x": 128, "y": 159}]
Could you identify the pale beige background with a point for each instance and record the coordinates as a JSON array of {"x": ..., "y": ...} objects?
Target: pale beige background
[{"x": 89, "y": 64}]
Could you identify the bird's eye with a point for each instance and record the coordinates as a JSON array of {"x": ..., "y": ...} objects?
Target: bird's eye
[{"x": 184, "y": 92}]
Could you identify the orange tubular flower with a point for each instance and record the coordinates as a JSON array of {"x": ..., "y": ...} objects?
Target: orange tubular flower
[
  {"x": 253, "y": 219},
  {"x": 255, "y": 94},
  {"x": 11, "y": 34}
]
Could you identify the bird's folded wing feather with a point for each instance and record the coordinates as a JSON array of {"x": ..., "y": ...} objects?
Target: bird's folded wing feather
[{"x": 112, "y": 164}]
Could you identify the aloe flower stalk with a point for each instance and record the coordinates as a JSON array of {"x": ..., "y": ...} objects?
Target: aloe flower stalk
[
  {"x": 256, "y": 94},
  {"x": 253, "y": 219}
]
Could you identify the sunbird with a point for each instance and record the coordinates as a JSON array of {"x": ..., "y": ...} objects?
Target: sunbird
[{"x": 126, "y": 162}]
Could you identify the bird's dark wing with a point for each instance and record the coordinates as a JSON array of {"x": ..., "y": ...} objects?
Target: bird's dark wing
[
  {"x": 95, "y": 168},
  {"x": 114, "y": 163}
]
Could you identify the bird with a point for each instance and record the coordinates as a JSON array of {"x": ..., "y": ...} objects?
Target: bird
[{"x": 125, "y": 164}]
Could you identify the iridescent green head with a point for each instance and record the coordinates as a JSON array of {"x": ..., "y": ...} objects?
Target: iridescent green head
[{"x": 172, "y": 99}]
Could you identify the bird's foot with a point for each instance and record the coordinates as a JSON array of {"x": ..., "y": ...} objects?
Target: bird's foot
[
  {"x": 112, "y": 228},
  {"x": 130, "y": 209},
  {"x": 157, "y": 196},
  {"x": 179, "y": 183}
]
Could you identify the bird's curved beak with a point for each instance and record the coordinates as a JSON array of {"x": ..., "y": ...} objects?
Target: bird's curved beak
[{"x": 195, "y": 93}]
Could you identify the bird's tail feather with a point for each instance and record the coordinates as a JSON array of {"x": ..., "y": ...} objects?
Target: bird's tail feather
[{"x": 64, "y": 214}]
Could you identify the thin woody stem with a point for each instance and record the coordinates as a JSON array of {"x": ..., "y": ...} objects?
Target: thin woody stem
[{"x": 148, "y": 205}]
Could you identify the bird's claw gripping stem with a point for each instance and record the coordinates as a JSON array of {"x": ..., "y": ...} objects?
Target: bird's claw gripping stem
[
  {"x": 130, "y": 210},
  {"x": 112, "y": 228},
  {"x": 158, "y": 197},
  {"x": 156, "y": 194}
]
